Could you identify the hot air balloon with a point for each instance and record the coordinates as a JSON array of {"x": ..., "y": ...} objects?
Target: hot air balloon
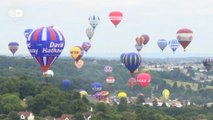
[
  {"x": 166, "y": 94},
  {"x": 76, "y": 52},
  {"x": 184, "y": 37},
  {"x": 146, "y": 39},
  {"x": 138, "y": 47},
  {"x": 79, "y": 64},
  {"x": 122, "y": 57},
  {"x": 145, "y": 70},
  {"x": 115, "y": 17},
  {"x": 90, "y": 32},
  {"x": 144, "y": 79},
  {"x": 208, "y": 63},
  {"x": 162, "y": 43},
  {"x": 97, "y": 86},
  {"x": 48, "y": 74},
  {"x": 27, "y": 33},
  {"x": 140, "y": 40},
  {"x": 86, "y": 46},
  {"x": 108, "y": 69},
  {"x": 132, "y": 61},
  {"x": 122, "y": 95},
  {"x": 83, "y": 93},
  {"x": 132, "y": 82},
  {"x": 135, "y": 72},
  {"x": 105, "y": 96},
  {"x": 173, "y": 44},
  {"x": 66, "y": 84},
  {"x": 13, "y": 46},
  {"x": 45, "y": 45},
  {"x": 94, "y": 21},
  {"x": 98, "y": 95},
  {"x": 110, "y": 80}
]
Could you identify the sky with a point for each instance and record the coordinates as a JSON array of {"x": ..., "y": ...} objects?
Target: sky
[{"x": 160, "y": 19}]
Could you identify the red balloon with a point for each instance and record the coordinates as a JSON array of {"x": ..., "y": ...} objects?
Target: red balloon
[
  {"x": 115, "y": 17},
  {"x": 132, "y": 81},
  {"x": 144, "y": 79},
  {"x": 184, "y": 37},
  {"x": 146, "y": 39}
]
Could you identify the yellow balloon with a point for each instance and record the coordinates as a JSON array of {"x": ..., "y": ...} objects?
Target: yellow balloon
[
  {"x": 83, "y": 93},
  {"x": 166, "y": 94},
  {"x": 76, "y": 52},
  {"x": 79, "y": 64},
  {"x": 122, "y": 95}
]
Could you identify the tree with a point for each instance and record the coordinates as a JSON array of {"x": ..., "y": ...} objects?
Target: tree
[
  {"x": 128, "y": 116},
  {"x": 13, "y": 116}
]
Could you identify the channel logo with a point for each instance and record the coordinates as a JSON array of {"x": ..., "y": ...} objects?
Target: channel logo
[{"x": 15, "y": 13}]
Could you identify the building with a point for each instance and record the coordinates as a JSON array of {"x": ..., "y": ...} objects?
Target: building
[
  {"x": 66, "y": 117},
  {"x": 26, "y": 116}
]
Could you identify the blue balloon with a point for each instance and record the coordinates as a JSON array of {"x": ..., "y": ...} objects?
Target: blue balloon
[
  {"x": 174, "y": 44},
  {"x": 66, "y": 84},
  {"x": 45, "y": 45},
  {"x": 132, "y": 61},
  {"x": 27, "y": 32},
  {"x": 122, "y": 57},
  {"x": 96, "y": 86},
  {"x": 162, "y": 43}
]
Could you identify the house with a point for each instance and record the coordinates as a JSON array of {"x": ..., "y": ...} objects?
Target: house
[
  {"x": 26, "y": 116},
  {"x": 66, "y": 117}
]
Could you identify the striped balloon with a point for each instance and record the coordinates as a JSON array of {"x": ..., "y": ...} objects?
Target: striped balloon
[
  {"x": 86, "y": 46},
  {"x": 90, "y": 32},
  {"x": 94, "y": 21},
  {"x": 208, "y": 63},
  {"x": 173, "y": 44},
  {"x": 45, "y": 45},
  {"x": 13, "y": 46},
  {"x": 132, "y": 61}
]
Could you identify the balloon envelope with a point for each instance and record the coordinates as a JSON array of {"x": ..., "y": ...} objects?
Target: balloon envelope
[
  {"x": 110, "y": 79},
  {"x": 132, "y": 82},
  {"x": 140, "y": 40},
  {"x": 138, "y": 47},
  {"x": 49, "y": 73},
  {"x": 66, "y": 84},
  {"x": 90, "y": 32},
  {"x": 208, "y": 63},
  {"x": 132, "y": 61},
  {"x": 76, "y": 52},
  {"x": 94, "y": 21},
  {"x": 122, "y": 95},
  {"x": 108, "y": 69},
  {"x": 86, "y": 46},
  {"x": 115, "y": 17},
  {"x": 45, "y": 45},
  {"x": 184, "y": 37},
  {"x": 146, "y": 39},
  {"x": 27, "y": 33},
  {"x": 13, "y": 46},
  {"x": 144, "y": 79},
  {"x": 97, "y": 86},
  {"x": 79, "y": 64},
  {"x": 173, "y": 44},
  {"x": 166, "y": 94},
  {"x": 162, "y": 43}
]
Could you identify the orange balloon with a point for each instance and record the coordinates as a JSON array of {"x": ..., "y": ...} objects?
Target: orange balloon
[{"x": 140, "y": 40}]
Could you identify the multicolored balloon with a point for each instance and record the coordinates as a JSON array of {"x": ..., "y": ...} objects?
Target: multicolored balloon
[
  {"x": 140, "y": 40},
  {"x": 115, "y": 17},
  {"x": 76, "y": 52},
  {"x": 146, "y": 39},
  {"x": 132, "y": 61},
  {"x": 162, "y": 43},
  {"x": 97, "y": 86},
  {"x": 184, "y": 37},
  {"x": 208, "y": 63},
  {"x": 173, "y": 44},
  {"x": 94, "y": 21},
  {"x": 86, "y": 46},
  {"x": 108, "y": 69},
  {"x": 79, "y": 64},
  {"x": 27, "y": 33},
  {"x": 132, "y": 82},
  {"x": 144, "y": 79},
  {"x": 13, "y": 47},
  {"x": 90, "y": 32},
  {"x": 110, "y": 80},
  {"x": 45, "y": 45}
]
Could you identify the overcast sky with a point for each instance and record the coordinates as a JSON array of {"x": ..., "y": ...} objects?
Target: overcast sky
[{"x": 157, "y": 18}]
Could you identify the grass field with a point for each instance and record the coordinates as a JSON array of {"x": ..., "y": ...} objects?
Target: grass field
[{"x": 194, "y": 86}]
